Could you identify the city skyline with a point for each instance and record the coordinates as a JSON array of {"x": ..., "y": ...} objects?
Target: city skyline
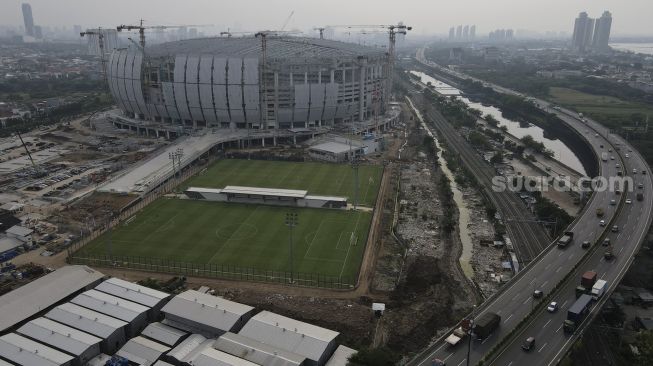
[{"x": 552, "y": 16}]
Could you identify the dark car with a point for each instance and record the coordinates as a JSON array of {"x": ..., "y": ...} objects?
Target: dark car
[
  {"x": 538, "y": 294},
  {"x": 586, "y": 244},
  {"x": 528, "y": 344}
]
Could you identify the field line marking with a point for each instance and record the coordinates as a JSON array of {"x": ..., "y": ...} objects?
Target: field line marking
[
  {"x": 226, "y": 242},
  {"x": 147, "y": 237},
  {"x": 313, "y": 240},
  {"x": 349, "y": 248}
]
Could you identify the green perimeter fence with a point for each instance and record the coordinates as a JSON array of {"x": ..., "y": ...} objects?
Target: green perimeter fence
[{"x": 209, "y": 270}]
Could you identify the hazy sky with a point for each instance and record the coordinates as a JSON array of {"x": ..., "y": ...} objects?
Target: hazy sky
[{"x": 426, "y": 16}]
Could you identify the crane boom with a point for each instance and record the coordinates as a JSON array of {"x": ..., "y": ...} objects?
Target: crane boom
[{"x": 287, "y": 20}]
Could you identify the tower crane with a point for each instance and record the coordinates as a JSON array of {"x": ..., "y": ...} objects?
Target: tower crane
[
  {"x": 100, "y": 36},
  {"x": 141, "y": 29},
  {"x": 321, "y": 30},
  {"x": 287, "y": 20}
]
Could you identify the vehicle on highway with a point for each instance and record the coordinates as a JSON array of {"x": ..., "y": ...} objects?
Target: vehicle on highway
[
  {"x": 608, "y": 254},
  {"x": 615, "y": 228},
  {"x": 528, "y": 344},
  {"x": 586, "y": 244},
  {"x": 640, "y": 197},
  {"x": 599, "y": 288},
  {"x": 577, "y": 313},
  {"x": 640, "y": 186},
  {"x": 600, "y": 212},
  {"x": 538, "y": 294},
  {"x": 602, "y": 223},
  {"x": 486, "y": 324},
  {"x": 617, "y": 165},
  {"x": 619, "y": 173},
  {"x": 610, "y": 150},
  {"x": 553, "y": 307},
  {"x": 617, "y": 191},
  {"x": 565, "y": 239},
  {"x": 613, "y": 202},
  {"x": 634, "y": 170},
  {"x": 606, "y": 242},
  {"x": 437, "y": 362},
  {"x": 629, "y": 201},
  {"x": 596, "y": 135},
  {"x": 627, "y": 155},
  {"x": 456, "y": 337},
  {"x": 612, "y": 157},
  {"x": 604, "y": 155},
  {"x": 643, "y": 171}
]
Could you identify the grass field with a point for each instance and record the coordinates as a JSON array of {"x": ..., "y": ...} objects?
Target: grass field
[
  {"x": 328, "y": 242},
  {"x": 316, "y": 178},
  {"x": 610, "y": 108}
]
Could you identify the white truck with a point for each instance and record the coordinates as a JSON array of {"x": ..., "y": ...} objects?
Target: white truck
[
  {"x": 604, "y": 156},
  {"x": 454, "y": 338},
  {"x": 599, "y": 288}
]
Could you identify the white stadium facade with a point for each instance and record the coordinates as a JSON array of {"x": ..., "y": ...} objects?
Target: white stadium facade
[{"x": 229, "y": 82}]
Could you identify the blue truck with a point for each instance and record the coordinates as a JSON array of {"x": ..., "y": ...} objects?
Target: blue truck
[{"x": 576, "y": 313}]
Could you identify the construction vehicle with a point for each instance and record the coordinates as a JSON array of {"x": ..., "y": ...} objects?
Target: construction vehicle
[
  {"x": 599, "y": 288},
  {"x": 576, "y": 313},
  {"x": 600, "y": 212},
  {"x": 566, "y": 238},
  {"x": 486, "y": 324}
]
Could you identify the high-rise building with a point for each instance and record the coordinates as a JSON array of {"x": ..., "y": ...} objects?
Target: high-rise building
[
  {"x": 472, "y": 32},
  {"x": 459, "y": 32},
  {"x": 38, "y": 32},
  {"x": 583, "y": 30},
  {"x": 466, "y": 32},
  {"x": 601, "y": 35},
  {"x": 452, "y": 33},
  {"x": 28, "y": 19}
]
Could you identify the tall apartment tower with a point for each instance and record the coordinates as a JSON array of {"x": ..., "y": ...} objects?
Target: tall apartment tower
[
  {"x": 452, "y": 33},
  {"x": 466, "y": 32},
  {"x": 459, "y": 32},
  {"x": 601, "y": 36},
  {"x": 472, "y": 32},
  {"x": 583, "y": 30},
  {"x": 28, "y": 19}
]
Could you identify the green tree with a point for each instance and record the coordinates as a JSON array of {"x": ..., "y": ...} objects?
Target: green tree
[{"x": 382, "y": 356}]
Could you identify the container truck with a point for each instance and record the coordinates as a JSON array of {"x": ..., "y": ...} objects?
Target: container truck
[
  {"x": 604, "y": 156},
  {"x": 599, "y": 288},
  {"x": 577, "y": 313},
  {"x": 588, "y": 279},
  {"x": 565, "y": 239},
  {"x": 486, "y": 324}
]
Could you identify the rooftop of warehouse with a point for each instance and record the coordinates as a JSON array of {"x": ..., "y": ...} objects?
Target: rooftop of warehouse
[
  {"x": 277, "y": 47},
  {"x": 36, "y": 296},
  {"x": 206, "y": 309},
  {"x": 132, "y": 292}
]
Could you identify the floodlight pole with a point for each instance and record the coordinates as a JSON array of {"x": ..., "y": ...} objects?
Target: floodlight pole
[{"x": 291, "y": 221}]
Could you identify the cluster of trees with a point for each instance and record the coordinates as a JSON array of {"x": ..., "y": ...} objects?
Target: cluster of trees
[
  {"x": 32, "y": 90},
  {"x": 537, "y": 146}
]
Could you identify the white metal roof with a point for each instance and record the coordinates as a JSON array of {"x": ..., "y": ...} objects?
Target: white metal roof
[
  {"x": 38, "y": 295},
  {"x": 57, "y": 335},
  {"x": 110, "y": 305},
  {"x": 99, "y": 360},
  {"x": 326, "y": 198},
  {"x": 142, "y": 351},
  {"x": 161, "y": 363},
  {"x": 5, "y": 363},
  {"x": 8, "y": 243},
  {"x": 255, "y": 351},
  {"x": 163, "y": 333},
  {"x": 213, "y": 357},
  {"x": 204, "y": 190},
  {"x": 205, "y": 309},
  {"x": 85, "y": 319},
  {"x": 334, "y": 147},
  {"x": 341, "y": 356},
  {"x": 26, "y": 352},
  {"x": 132, "y": 292},
  {"x": 289, "y": 334},
  {"x": 265, "y": 191},
  {"x": 190, "y": 347},
  {"x": 19, "y": 230}
]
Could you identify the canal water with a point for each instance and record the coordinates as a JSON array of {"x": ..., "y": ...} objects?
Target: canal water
[
  {"x": 464, "y": 214},
  {"x": 561, "y": 152}
]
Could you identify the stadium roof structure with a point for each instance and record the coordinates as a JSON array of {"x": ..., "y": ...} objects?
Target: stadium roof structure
[
  {"x": 272, "y": 192},
  {"x": 163, "y": 333},
  {"x": 289, "y": 334},
  {"x": 142, "y": 351},
  {"x": 212, "y": 357},
  {"x": 110, "y": 305},
  {"x": 205, "y": 309},
  {"x": 59, "y": 336},
  {"x": 257, "y": 352},
  {"x": 85, "y": 319},
  {"x": 277, "y": 48},
  {"x": 132, "y": 292},
  {"x": 38, "y": 295},
  {"x": 26, "y": 352}
]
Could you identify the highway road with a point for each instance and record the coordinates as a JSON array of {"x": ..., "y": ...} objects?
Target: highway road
[{"x": 516, "y": 301}]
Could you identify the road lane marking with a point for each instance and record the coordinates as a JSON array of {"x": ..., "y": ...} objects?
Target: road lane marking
[
  {"x": 451, "y": 354},
  {"x": 557, "y": 330},
  {"x": 561, "y": 253},
  {"x": 508, "y": 318},
  {"x": 571, "y": 256},
  {"x": 526, "y": 301},
  {"x": 544, "y": 284},
  {"x": 603, "y": 275},
  {"x": 547, "y": 323},
  {"x": 461, "y": 362},
  {"x": 602, "y": 259},
  {"x": 547, "y": 266},
  {"x": 558, "y": 270},
  {"x": 620, "y": 249},
  {"x": 542, "y": 348},
  {"x": 564, "y": 303},
  {"x": 510, "y": 364}
]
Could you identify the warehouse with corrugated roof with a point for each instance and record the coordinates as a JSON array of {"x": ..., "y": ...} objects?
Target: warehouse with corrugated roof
[
  {"x": 132, "y": 313},
  {"x": 142, "y": 351},
  {"x": 257, "y": 352},
  {"x": 164, "y": 334},
  {"x": 134, "y": 292},
  {"x": 313, "y": 342},
  {"x": 208, "y": 315},
  {"x": 26, "y": 352}
]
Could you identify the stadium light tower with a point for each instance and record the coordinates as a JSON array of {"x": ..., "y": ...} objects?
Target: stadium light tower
[{"x": 292, "y": 220}]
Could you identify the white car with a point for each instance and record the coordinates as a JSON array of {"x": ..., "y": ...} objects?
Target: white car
[
  {"x": 629, "y": 201},
  {"x": 553, "y": 307},
  {"x": 634, "y": 171},
  {"x": 612, "y": 157},
  {"x": 602, "y": 223},
  {"x": 627, "y": 155}
]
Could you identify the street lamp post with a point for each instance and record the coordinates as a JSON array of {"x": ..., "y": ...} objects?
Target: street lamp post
[{"x": 292, "y": 220}]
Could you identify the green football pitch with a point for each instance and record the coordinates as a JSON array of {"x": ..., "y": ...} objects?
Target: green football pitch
[
  {"x": 328, "y": 242},
  {"x": 316, "y": 178}
]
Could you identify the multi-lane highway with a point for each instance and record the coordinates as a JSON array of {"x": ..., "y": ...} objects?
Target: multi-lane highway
[{"x": 515, "y": 302}]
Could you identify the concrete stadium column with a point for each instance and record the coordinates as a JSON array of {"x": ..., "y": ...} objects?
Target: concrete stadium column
[
  {"x": 274, "y": 140},
  {"x": 262, "y": 141}
]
